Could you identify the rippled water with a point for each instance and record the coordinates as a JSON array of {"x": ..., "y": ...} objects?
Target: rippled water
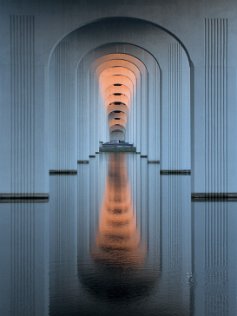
[{"x": 118, "y": 239}]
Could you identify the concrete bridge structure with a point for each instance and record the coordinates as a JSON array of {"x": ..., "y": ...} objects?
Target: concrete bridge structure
[{"x": 160, "y": 74}]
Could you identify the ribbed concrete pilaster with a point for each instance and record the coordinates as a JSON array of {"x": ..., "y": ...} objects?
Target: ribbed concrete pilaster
[
  {"x": 216, "y": 62},
  {"x": 23, "y": 119}
]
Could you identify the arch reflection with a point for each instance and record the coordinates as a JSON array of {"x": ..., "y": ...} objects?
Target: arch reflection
[
  {"x": 118, "y": 241},
  {"x": 120, "y": 263}
]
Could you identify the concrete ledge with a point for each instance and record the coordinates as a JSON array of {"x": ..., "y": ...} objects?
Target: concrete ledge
[
  {"x": 63, "y": 172},
  {"x": 175, "y": 172},
  {"x": 118, "y": 149},
  {"x": 211, "y": 196},
  {"x": 23, "y": 197},
  {"x": 153, "y": 161},
  {"x": 117, "y": 146},
  {"x": 83, "y": 162}
]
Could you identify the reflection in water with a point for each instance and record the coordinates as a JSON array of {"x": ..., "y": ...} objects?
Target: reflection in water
[
  {"x": 118, "y": 238},
  {"x": 23, "y": 263},
  {"x": 118, "y": 255},
  {"x": 62, "y": 255},
  {"x": 214, "y": 259},
  {"x": 66, "y": 258}
]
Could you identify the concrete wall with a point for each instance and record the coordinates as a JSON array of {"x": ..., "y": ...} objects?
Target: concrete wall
[{"x": 193, "y": 42}]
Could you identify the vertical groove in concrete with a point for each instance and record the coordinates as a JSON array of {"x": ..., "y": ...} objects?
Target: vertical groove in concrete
[
  {"x": 22, "y": 69},
  {"x": 174, "y": 105},
  {"x": 62, "y": 113},
  {"x": 216, "y": 43}
]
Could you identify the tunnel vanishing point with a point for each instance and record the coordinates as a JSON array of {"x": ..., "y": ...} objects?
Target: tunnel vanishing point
[{"x": 160, "y": 75}]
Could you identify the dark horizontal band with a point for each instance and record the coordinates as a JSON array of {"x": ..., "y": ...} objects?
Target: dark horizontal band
[
  {"x": 23, "y": 197},
  {"x": 63, "y": 172},
  {"x": 82, "y": 161},
  {"x": 143, "y": 156},
  {"x": 153, "y": 161},
  {"x": 175, "y": 172},
  {"x": 211, "y": 196},
  {"x": 92, "y": 156},
  {"x": 118, "y": 149}
]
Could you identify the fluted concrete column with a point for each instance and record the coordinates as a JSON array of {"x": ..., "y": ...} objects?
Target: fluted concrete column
[
  {"x": 216, "y": 61},
  {"x": 62, "y": 108},
  {"x": 83, "y": 113}
]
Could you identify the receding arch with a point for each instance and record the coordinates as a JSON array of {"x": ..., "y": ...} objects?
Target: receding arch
[
  {"x": 120, "y": 18},
  {"x": 73, "y": 53}
]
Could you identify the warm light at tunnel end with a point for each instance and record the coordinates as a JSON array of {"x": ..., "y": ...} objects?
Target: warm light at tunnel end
[{"x": 116, "y": 85}]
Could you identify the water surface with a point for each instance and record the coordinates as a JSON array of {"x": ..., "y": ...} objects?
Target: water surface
[{"x": 118, "y": 239}]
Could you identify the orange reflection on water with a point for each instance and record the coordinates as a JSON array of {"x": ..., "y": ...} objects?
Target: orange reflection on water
[{"x": 118, "y": 237}]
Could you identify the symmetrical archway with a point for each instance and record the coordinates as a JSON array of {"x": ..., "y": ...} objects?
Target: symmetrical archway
[{"x": 155, "y": 93}]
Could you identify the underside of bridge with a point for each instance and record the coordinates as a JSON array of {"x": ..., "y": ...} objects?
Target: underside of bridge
[
  {"x": 119, "y": 93},
  {"x": 149, "y": 232},
  {"x": 73, "y": 76}
]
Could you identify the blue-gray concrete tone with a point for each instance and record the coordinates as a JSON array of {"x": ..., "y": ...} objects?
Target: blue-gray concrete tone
[{"x": 177, "y": 63}]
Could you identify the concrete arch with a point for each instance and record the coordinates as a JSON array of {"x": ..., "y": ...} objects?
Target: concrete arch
[
  {"x": 117, "y": 94},
  {"x": 127, "y": 70},
  {"x": 140, "y": 65},
  {"x": 124, "y": 80},
  {"x": 101, "y": 63},
  {"x": 70, "y": 51},
  {"x": 133, "y": 62},
  {"x": 114, "y": 98},
  {"x": 111, "y": 108},
  {"x": 118, "y": 116},
  {"x": 117, "y": 18},
  {"x": 121, "y": 89},
  {"x": 118, "y": 71},
  {"x": 113, "y": 122},
  {"x": 117, "y": 127},
  {"x": 118, "y": 59},
  {"x": 136, "y": 65}
]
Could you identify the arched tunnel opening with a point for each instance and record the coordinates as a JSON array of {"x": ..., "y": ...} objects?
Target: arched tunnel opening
[
  {"x": 121, "y": 91},
  {"x": 117, "y": 84},
  {"x": 149, "y": 84},
  {"x": 127, "y": 92},
  {"x": 120, "y": 125}
]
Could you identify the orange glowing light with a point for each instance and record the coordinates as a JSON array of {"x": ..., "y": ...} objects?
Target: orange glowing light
[
  {"x": 118, "y": 237},
  {"x": 117, "y": 86}
]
